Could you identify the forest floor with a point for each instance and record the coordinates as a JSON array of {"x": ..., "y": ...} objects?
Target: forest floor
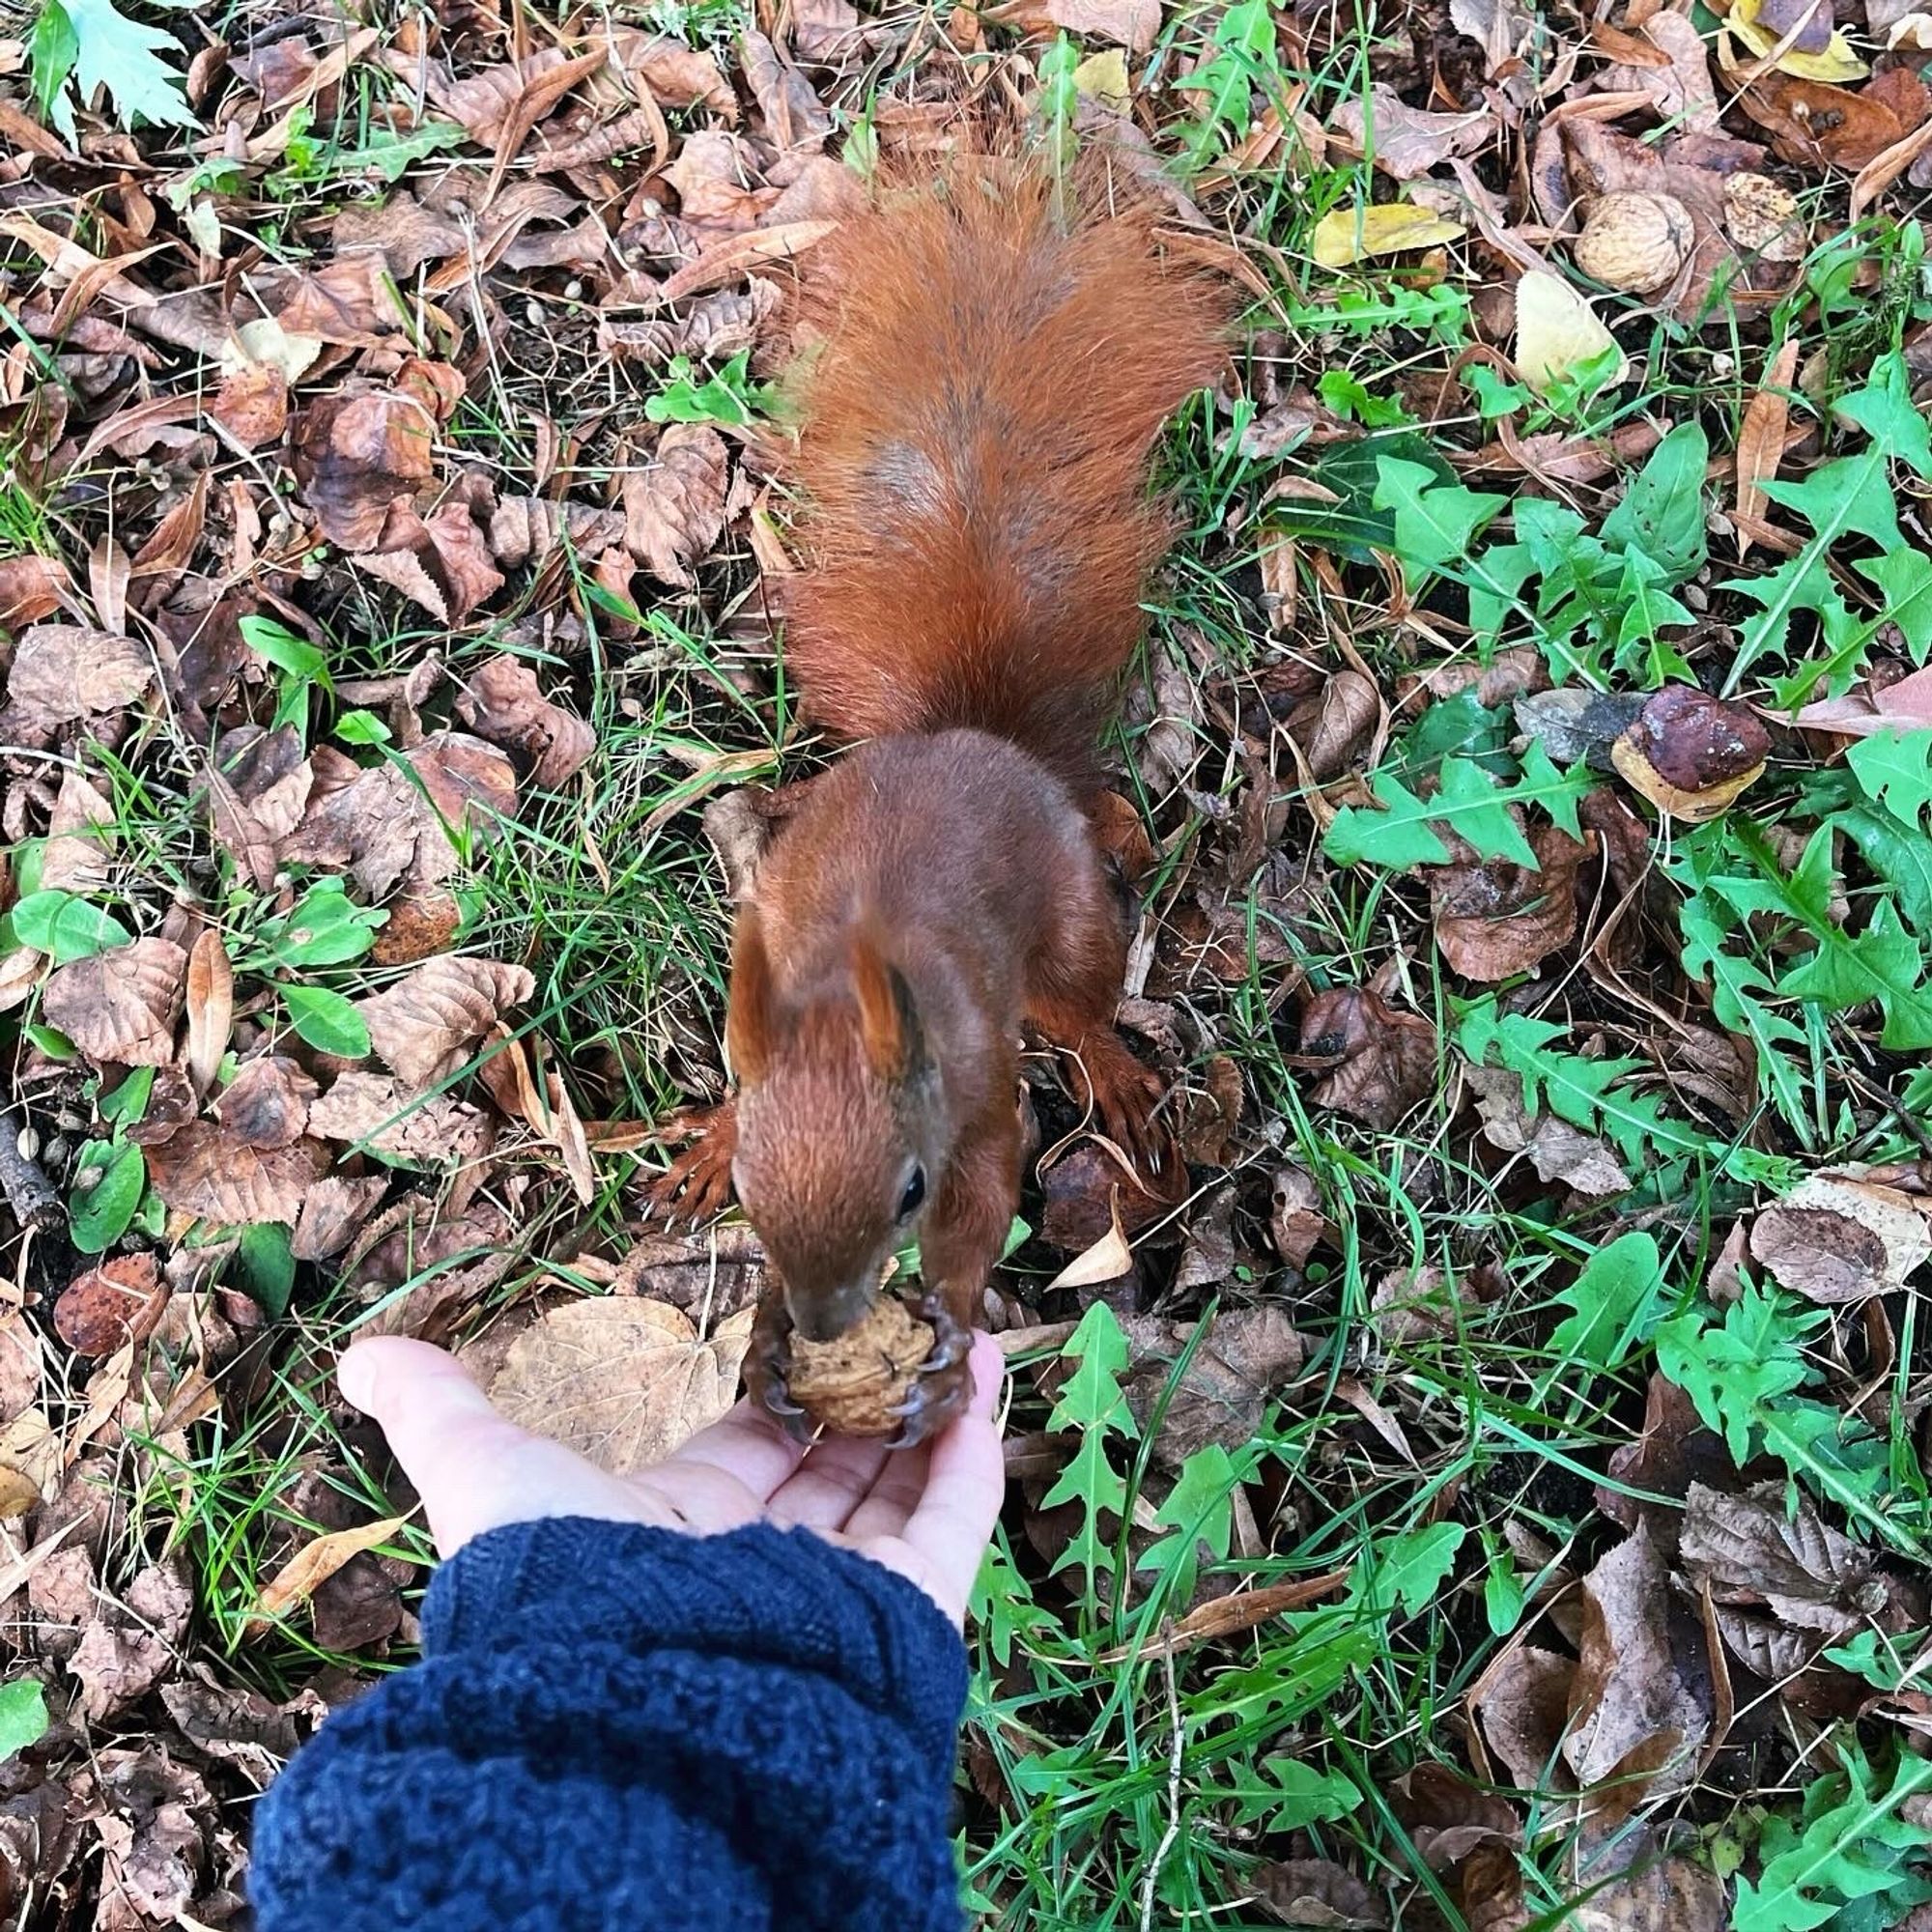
[{"x": 1492, "y": 1493}]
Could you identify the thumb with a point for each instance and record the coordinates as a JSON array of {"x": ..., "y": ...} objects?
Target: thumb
[{"x": 440, "y": 1426}]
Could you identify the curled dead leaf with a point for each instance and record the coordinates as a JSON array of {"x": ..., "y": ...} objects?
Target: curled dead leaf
[
  {"x": 355, "y": 455},
  {"x": 108, "y": 1306},
  {"x": 65, "y": 672},
  {"x": 1756, "y": 1548},
  {"x": 502, "y": 702},
  {"x": 675, "y": 505},
  {"x": 620, "y": 1379},
  {"x": 312, "y": 1566},
  {"x": 1837, "y": 1239},
  {"x": 1380, "y": 1061}
]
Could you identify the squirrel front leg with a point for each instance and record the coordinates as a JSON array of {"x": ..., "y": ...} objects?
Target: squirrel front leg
[{"x": 698, "y": 1183}]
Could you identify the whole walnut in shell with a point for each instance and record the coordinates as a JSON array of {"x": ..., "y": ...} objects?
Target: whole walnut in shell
[
  {"x": 853, "y": 1382},
  {"x": 1633, "y": 242}
]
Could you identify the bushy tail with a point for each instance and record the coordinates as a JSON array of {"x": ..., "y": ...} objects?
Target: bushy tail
[{"x": 976, "y": 426}]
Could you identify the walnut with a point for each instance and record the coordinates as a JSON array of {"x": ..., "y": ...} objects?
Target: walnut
[
  {"x": 853, "y": 1382},
  {"x": 1637, "y": 243}
]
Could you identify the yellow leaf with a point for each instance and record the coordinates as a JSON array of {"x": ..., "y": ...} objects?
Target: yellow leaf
[
  {"x": 1557, "y": 331},
  {"x": 1104, "y": 78},
  {"x": 1346, "y": 234},
  {"x": 314, "y": 1564},
  {"x": 1835, "y": 66}
]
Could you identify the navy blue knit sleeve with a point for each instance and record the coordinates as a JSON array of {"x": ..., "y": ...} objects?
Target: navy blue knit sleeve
[{"x": 621, "y": 1728}]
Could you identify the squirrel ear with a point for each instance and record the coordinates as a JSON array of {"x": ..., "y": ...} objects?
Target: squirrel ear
[
  {"x": 888, "y": 1019},
  {"x": 749, "y": 1023}
]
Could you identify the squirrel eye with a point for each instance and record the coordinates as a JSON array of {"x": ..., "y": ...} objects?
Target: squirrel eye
[{"x": 913, "y": 1195}]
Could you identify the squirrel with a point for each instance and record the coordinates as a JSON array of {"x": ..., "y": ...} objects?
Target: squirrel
[{"x": 975, "y": 427}]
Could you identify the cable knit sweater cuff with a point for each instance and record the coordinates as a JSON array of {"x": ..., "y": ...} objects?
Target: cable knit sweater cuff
[
  {"x": 616, "y": 1726},
  {"x": 758, "y": 1595}
]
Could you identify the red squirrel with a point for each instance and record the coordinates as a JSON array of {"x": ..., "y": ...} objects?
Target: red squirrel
[{"x": 972, "y": 456}]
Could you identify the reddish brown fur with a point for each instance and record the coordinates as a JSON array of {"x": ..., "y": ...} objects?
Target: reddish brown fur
[
  {"x": 979, "y": 423},
  {"x": 976, "y": 430}
]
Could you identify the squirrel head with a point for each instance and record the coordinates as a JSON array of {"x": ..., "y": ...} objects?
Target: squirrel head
[{"x": 841, "y": 1124}]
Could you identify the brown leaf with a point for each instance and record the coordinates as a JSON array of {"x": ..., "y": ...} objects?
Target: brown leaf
[
  {"x": 355, "y": 455},
  {"x": 120, "y": 1006},
  {"x": 1836, "y": 1241},
  {"x": 1761, "y": 436},
  {"x": 210, "y": 1007},
  {"x": 62, "y": 672},
  {"x": 1330, "y": 725},
  {"x": 30, "y": 590},
  {"x": 110, "y": 1305},
  {"x": 426, "y": 1023},
  {"x": 1249, "y": 1356},
  {"x": 213, "y": 1174},
  {"x": 396, "y": 1119},
  {"x": 674, "y": 508},
  {"x": 1409, "y": 141},
  {"x": 1631, "y": 1706},
  {"x": 404, "y": 232},
  {"x": 252, "y": 406},
  {"x": 1523, "y": 1707},
  {"x": 1753, "y": 1550},
  {"x": 20, "y": 1365},
  {"x": 1296, "y": 1220},
  {"x": 1557, "y": 1151},
  {"x": 332, "y": 1214},
  {"x": 312, "y": 1566},
  {"x": 1671, "y": 1894},
  {"x": 1315, "y": 1891},
  {"x": 1381, "y": 1061},
  {"x": 502, "y": 702},
  {"x": 123, "y": 1655},
  {"x": 1681, "y": 87},
  {"x": 1495, "y": 918},
  {"x": 619, "y": 1379},
  {"x": 794, "y": 115},
  {"x": 76, "y": 853},
  {"x": 676, "y": 75},
  {"x": 1230, "y": 1615},
  {"x": 266, "y": 1105},
  {"x": 1814, "y": 124}
]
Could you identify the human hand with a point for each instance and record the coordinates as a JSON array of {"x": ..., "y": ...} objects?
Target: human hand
[{"x": 926, "y": 1513}]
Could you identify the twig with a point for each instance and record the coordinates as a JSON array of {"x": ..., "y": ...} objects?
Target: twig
[
  {"x": 35, "y": 1200},
  {"x": 1175, "y": 1758}
]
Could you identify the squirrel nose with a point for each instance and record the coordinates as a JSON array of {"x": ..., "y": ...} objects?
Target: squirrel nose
[{"x": 824, "y": 1315}]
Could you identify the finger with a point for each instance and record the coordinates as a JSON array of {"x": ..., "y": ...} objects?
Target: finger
[
  {"x": 828, "y": 1485},
  {"x": 473, "y": 1469},
  {"x": 887, "y": 1507},
  {"x": 747, "y": 1445},
  {"x": 950, "y": 1529}
]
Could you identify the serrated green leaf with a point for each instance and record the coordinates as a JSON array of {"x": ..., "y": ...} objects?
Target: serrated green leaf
[
  {"x": 1468, "y": 802},
  {"x": 327, "y": 1021},
  {"x": 1434, "y": 522},
  {"x": 1905, "y": 576},
  {"x": 1881, "y": 966},
  {"x": 64, "y": 927},
  {"x": 1733, "y": 1368},
  {"x": 1894, "y": 769},
  {"x": 1404, "y": 1572},
  {"x": 1900, "y": 856},
  {"x": 1615, "y": 1300},
  {"x": 125, "y": 56},
  {"x": 1885, "y": 411}
]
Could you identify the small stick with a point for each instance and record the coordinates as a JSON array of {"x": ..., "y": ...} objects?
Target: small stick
[{"x": 35, "y": 1200}]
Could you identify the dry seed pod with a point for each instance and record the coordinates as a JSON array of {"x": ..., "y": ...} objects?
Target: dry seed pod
[
  {"x": 852, "y": 1384},
  {"x": 1636, "y": 243},
  {"x": 1761, "y": 217}
]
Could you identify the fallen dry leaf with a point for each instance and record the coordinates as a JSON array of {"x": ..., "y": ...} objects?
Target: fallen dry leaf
[
  {"x": 620, "y": 1379},
  {"x": 1495, "y": 918},
  {"x": 1523, "y": 1707},
  {"x": 1670, "y": 1894},
  {"x": 503, "y": 703},
  {"x": 1634, "y": 1716},
  {"x": 1381, "y": 1061},
  {"x": 355, "y": 455},
  {"x": 397, "y": 1120},
  {"x": 31, "y": 588},
  {"x": 1754, "y": 1548},
  {"x": 1814, "y": 124},
  {"x": 675, "y": 505},
  {"x": 312, "y": 1566},
  {"x": 1407, "y": 141},
  {"x": 424, "y": 1025},
  {"x": 1557, "y": 1151},
  {"x": 1681, "y": 88},
  {"x": 1557, "y": 332},
  {"x": 110, "y": 1305},
  {"x": 1317, "y": 1891},
  {"x": 64, "y": 673},
  {"x": 332, "y": 1213},
  {"x": 1835, "y": 1240},
  {"x": 210, "y": 1007},
  {"x": 213, "y": 1174},
  {"x": 120, "y": 1006},
  {"x": 266, "y": 1105},
  {"x": 78, "y": 829},
  {"x": 1761, "y": 439},
  {"x": 1345, "y": 235},
  {"x": 124, "y": 1653}
]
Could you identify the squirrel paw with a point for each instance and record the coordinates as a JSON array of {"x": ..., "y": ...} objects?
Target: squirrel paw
[
  {"x": 944, "y": 1384},
  {"x": 1124, "y": 1096},
  {"x": 766, "y": 1362},
  {"x": 696, "y": 1187}
]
